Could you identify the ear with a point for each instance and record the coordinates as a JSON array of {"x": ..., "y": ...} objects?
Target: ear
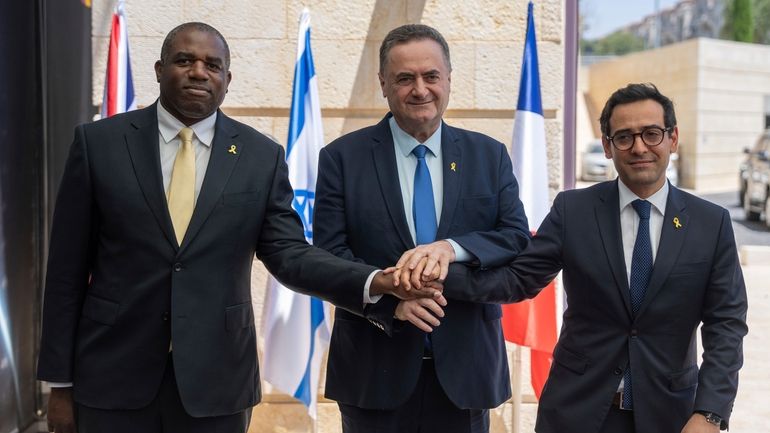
[
  {"x": 674, "y": 137},
  {"x": 382, "y": 84},
  {"x": 158, "y": 70},
  {"x": 607, "y": 147}
]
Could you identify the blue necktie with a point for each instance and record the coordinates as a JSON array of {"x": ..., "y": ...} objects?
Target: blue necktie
[
  {"x": 423, "y": 206},
  {"x": 424, "y": 213},
  {"x": 641, "y": 269}
]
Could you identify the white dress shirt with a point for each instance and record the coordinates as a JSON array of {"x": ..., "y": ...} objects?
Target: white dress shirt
[{"x": 169, "y": 142}]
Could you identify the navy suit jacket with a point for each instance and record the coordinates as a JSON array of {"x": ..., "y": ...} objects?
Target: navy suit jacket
[
  {"x": 359, "y": 215},
  {"x": 696, "y": 280},
  {"x": 119, "y": 288}
]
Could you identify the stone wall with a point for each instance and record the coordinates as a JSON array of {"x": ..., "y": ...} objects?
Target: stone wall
[{"x": 486, "y": 43}]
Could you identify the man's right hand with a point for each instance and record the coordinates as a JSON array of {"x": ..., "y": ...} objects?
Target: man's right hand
[
  {"x": 422, "y": 313},
  {"x": 384, "y": 284},
  {"x": 61, "y": 411}
]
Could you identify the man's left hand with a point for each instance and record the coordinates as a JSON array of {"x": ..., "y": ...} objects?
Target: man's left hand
[{"x": 698, "y": 424}]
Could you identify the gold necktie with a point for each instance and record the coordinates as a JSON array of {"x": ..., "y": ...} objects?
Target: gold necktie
[{"x": 181, "y": 191}]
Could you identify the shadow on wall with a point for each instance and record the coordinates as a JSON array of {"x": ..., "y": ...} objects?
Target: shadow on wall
[{"x": 385, "y": 17}]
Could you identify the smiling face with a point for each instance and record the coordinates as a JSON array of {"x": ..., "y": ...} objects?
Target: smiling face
[
  {"x": 415, "y": 80},
  {"x": 642, "y": 168},
  {"x": 194, "y": 76}
]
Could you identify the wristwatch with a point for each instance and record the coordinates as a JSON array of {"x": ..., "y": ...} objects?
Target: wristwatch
[{"x": 711, "y": 417}]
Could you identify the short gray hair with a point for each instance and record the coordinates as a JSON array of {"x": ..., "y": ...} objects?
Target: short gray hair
[{"x": 408, "y": 33}]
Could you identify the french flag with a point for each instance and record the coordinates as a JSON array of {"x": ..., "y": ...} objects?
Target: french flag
[
  {"x": 532, "y": 323},
  {"x": 296, "y": 327},
  {"x": 118, "y": 84}
]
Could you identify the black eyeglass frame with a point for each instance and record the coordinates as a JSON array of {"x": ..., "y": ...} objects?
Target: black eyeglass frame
[{"x": 640, "y": 135}]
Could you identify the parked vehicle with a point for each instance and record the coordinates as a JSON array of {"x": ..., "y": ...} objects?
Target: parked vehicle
[
  {"x": 595, "y": 166},
  {"x": 755, "y": 180}
]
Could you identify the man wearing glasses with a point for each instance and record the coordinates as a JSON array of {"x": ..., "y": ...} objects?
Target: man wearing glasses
[{"x": 644, "y": 264}]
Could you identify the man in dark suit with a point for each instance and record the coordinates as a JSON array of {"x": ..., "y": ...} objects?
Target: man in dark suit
[
  {"x": 371, "y": 199},
  {"x": 644, "y": 265},
  {"x": 148, "y": 322}
]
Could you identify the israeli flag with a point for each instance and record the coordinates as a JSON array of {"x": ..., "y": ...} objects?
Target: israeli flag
[{"x": 296, "y": 327}]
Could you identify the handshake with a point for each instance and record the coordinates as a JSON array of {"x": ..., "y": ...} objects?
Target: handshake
[{"x": 417, "y": 279}]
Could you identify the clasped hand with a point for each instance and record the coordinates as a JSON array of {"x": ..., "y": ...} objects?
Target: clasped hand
[{"x": 422, "y": 268}]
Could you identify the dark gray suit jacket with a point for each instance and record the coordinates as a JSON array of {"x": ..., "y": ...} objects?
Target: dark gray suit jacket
[
  {"x": 119, "y": 289},
  {"x": 696, "y": 280}
]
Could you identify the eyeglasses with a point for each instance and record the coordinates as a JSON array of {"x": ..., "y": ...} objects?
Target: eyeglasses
[{"x": 651, "y": 136}]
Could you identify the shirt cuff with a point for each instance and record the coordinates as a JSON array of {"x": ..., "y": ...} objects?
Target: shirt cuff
[
  {"x": 370, "y": 299},
  {"x": 60, "y": 384},
  {"x": 461, "y": 254}
]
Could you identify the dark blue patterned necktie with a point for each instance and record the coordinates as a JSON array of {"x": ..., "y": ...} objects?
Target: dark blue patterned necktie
[
  {"x": 641, "y": 269},
  {"x": 423, "y": 212}
]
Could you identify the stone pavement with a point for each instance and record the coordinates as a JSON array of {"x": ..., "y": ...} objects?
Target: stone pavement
[{"x": 752, "y": 408}]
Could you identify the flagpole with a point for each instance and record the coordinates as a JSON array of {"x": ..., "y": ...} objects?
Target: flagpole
[{"x": 516, "y": 385}]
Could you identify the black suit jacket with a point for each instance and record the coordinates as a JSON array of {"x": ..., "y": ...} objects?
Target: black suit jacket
[
  {"x": 119, "y": 288},
  {"x": 696, "y": 280},
  {"x": 359, "y": 215}
]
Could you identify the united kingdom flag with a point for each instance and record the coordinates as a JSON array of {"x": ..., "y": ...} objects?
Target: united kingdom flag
[{"x": 118, "y": 84}]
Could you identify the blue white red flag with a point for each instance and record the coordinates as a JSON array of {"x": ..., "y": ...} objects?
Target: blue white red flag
[
  {"x": 296, "y": 327},
  {"x": 532, "y": 323},
  {"x": 118, "y": 84}
]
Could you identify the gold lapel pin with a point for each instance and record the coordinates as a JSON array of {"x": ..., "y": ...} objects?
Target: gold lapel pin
[
  {"x": 233, "y": 149},
  {"x": 453, "y": 166},
  {"x": 677, "y": 224}
]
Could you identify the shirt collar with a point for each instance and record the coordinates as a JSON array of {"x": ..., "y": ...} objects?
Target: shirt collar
[
  {"x": 406, "y": 143},
  {"x": 169, "y": 126},
  {"x": 658, "y": 200}
]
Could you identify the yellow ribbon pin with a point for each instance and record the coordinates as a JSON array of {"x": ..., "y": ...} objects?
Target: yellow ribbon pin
[
  {"x": 453, "y": 166},
  {"x": 676, "y": 223},
  {"x": 233, "y": 149}
]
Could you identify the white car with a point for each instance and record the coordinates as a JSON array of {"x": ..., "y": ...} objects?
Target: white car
[{"x": 595, "y": 166}]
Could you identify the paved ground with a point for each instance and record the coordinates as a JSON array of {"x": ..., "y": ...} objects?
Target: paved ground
[
  {"x": 746, "y": 232},
  {"x": 752, "y": 410}
]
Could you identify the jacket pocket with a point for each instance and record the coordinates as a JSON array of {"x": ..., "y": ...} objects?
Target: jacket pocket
[
  {"x": 240, "y": 198},
  {"x": 570, "y": 360},
  {"x": 100, "y": 310},
  {"x": 239, "y": 316},
  {"x": 479, "y": 201},
  {"x": 683, "y": 379}
]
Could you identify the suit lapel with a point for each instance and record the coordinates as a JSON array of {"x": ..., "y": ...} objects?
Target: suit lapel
[
  {"x": 608, "y": 220},
  {"x": 384, "y": 157},
  {"x": 218, "y": 172},
  {"x": 452, "y": 154},
  {"x": 142, "y": 143},
  {"x": 672, "y": 238}
]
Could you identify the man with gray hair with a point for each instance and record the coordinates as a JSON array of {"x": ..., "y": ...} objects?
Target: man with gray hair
[{"x": 412, "y": 180}]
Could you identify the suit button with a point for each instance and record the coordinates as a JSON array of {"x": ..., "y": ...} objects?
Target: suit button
[
  {"x": 618, "y": 372},
  {"x": 166, "y": 316},
  {"x": 177, "y": 267}
]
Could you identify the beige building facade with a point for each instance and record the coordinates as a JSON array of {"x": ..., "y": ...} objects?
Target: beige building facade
[
  {"x": 486, "y": 43},
  {"x": 721, "y": 93}
]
